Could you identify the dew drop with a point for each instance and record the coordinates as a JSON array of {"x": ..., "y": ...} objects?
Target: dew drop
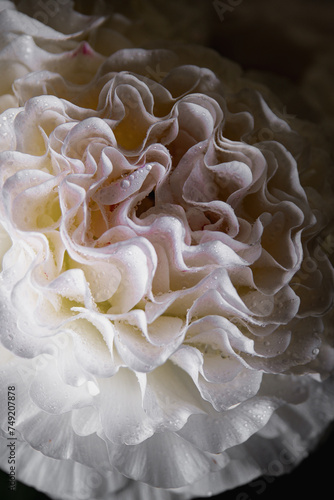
[
  {"x": 125, "y": 184},
  {"x": 315, "y": 351}
]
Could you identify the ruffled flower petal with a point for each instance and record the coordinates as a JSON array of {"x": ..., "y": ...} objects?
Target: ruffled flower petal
[{"x": 165, "y": 302}]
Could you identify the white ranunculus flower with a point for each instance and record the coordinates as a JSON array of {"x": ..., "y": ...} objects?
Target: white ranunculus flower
[{"x": 165, "y": 293}]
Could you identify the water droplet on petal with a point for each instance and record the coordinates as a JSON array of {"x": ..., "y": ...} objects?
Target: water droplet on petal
[{"x": 125, "y": 184}]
